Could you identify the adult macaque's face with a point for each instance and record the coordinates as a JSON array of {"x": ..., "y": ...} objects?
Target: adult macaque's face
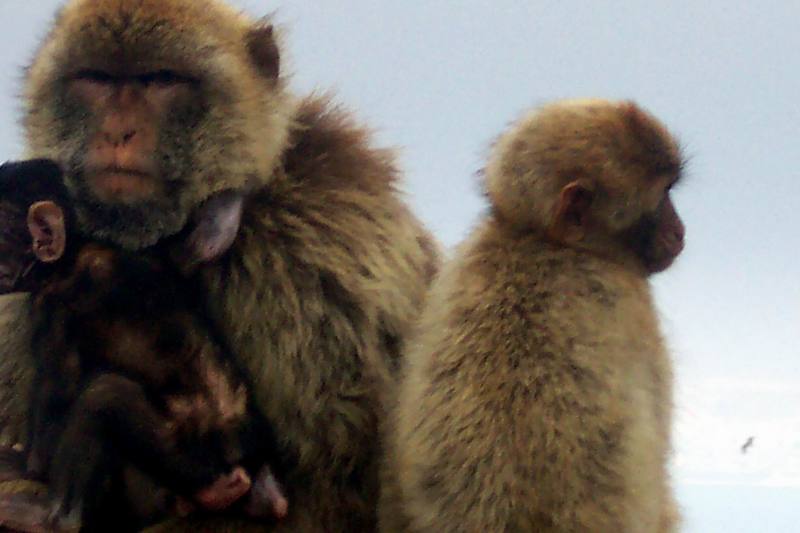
[
  {"x": 125, "y": 115},
  {"x": 151, "y": 108}
]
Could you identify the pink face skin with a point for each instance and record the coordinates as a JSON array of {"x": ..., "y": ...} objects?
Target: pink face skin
[{"x": 126, "y": 114}]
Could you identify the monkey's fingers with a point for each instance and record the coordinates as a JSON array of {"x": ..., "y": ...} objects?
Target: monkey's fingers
[
  {"x": 266, "y": 497},
  {"x": 225, "y": 491}
]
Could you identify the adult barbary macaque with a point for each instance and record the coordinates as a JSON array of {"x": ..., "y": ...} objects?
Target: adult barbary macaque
[
  {"x": 129, "y": 373},
  {"x": 538, "y": 393},
  {"x": 152, "y": 106}
]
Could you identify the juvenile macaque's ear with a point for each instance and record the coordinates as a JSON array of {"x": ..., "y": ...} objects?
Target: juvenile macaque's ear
[
  {"x": 216, "y": 226},
  {"x": 264, "y": 51},
  {"x": 46, "y": 224},
  {"x": 572, "y": 212}
]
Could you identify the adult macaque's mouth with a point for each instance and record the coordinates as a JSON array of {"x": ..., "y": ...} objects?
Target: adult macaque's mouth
[{"x": 117, "y": 184}]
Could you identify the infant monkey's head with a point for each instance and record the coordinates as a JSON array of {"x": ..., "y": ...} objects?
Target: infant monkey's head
[
  {"x": 37, "y": 223},
  {"x": 34, "y": 220}
]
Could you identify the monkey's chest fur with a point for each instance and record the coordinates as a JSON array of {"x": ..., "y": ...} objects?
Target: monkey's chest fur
[{"x": 134, "y": 315}]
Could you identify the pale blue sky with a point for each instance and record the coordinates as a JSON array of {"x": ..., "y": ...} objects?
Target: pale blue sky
[{"x": 440, "y": 78}]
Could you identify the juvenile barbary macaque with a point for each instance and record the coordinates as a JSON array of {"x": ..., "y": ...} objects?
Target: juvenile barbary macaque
[
  {"x": 130, "y": 371},
  {"x": 538, "y": 393},
  {"x": 153, "y": 106}
]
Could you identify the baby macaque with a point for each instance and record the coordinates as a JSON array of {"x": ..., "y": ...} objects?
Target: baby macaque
[{"x": 130, "y": 374}]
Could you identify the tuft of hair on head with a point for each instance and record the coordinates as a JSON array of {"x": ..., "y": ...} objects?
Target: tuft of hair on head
[{"x": 601, "y": 145}]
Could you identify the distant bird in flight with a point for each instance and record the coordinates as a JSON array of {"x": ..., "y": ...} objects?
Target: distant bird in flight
[{"x": 747, "y": 445}]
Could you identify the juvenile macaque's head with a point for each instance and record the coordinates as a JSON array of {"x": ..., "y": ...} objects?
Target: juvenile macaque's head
[
  {"x": 33, "y": 221},
  {"x": 594, "y": 175}
]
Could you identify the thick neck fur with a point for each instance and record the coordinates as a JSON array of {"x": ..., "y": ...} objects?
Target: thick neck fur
[{"x": 589, "y": 247}]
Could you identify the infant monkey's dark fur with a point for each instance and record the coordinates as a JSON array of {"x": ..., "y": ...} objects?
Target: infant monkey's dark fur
[{"x": 130, "y": 373}]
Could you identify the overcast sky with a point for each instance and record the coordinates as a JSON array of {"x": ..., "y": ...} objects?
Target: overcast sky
[{"x": 440, "y": 78}]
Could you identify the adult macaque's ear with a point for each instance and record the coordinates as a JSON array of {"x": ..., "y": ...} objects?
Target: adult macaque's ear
[
  {"x": 572, "y": 211},
  {"x": 47, "y": 228},
  {"x": 264, "y": 51}
]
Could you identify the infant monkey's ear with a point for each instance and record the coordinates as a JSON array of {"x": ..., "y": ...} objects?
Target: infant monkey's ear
[{"x": 48, "y": 230}]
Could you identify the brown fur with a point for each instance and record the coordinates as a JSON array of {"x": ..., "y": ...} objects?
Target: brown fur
[
  {"x": 239, "y": 138},
  {"x": 330, "y": 267},
  {"x": 350, "y": 272},
  {"x": 16, "y": 368},
  {"x": 537, "y": 393},
  {"x": 313, "y": 225}
]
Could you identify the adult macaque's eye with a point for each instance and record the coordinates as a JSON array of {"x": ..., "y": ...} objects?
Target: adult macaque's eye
[
  {"x": 95, "y": 76},
  {"x": 164, "y": 78}
]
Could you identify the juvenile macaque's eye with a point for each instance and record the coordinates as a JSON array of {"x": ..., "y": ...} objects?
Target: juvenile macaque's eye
[
  {"x": 95, "y": 76},
  {"x": 674, "y": 183}
]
